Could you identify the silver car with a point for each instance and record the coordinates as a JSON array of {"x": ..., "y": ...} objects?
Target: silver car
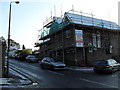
[
  {"x": 49, "y": 63},
  {"x": 31, "y": 58}
]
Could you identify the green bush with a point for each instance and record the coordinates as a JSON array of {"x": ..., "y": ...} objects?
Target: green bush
[{"x": 23, "y": 53}]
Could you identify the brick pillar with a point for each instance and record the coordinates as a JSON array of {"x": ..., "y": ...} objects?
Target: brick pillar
[{"x": 2, "y": 59}]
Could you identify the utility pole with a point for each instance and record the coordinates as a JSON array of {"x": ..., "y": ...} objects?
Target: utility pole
[{"x": 8, "y": 48}]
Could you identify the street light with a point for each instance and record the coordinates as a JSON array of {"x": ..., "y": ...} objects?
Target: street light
[{"x": 17, "y": 2}]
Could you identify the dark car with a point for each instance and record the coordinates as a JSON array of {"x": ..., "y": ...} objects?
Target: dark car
[
  {"x": 109, "y": 65},
  {"x": 31, "y": 58},
  {"x": 49, "y": 63}
]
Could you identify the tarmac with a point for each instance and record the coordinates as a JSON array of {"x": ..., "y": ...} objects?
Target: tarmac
[
  {"x": 84, "y": 69},
  {"x": 17, "y": 79}
]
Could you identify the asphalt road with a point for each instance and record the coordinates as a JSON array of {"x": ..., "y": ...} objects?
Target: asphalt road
[{"x": 66, "y": 78}]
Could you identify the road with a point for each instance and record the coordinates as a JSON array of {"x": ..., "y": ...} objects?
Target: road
[{"x": 66, "y": 78}]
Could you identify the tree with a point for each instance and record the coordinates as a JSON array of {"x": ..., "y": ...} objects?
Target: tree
[
  {"x": 14, "y": 43},
  {"x": 2, "y": 39},
  {"x": 26, "y": 51},
  {"x": 23, "y": 53},
  {"x": 23, "y": 47}
]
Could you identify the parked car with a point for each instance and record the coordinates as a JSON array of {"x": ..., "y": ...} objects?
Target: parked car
[
  {"x": 16, "y": 56},
  {"x": 49, "y": 63},
  {"x": 109, "y": 65},
  {"x": 13, "y": 56},
  {"x": 31, "y": 58}
]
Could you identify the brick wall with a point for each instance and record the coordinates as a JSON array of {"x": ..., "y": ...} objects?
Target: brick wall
[
  {"x": 82, "y": 56},
  {"x": 2, "y": 59}
]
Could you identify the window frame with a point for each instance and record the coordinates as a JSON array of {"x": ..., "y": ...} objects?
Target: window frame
[{"x": 68, "y": 33}]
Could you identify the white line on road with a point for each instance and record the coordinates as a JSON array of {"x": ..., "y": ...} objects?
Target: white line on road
[
  {"x": 98, "y": 83},
  {"x": 56, "y": 73}
]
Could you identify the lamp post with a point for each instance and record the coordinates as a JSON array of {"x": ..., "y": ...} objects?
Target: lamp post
[{"x": 17, "y": 2}]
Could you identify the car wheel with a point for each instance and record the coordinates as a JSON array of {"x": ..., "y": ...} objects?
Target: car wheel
[{"x": 52, "y": 68}]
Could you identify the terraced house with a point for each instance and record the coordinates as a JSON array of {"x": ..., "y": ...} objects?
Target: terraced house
[{"x": 78, "y": 39}]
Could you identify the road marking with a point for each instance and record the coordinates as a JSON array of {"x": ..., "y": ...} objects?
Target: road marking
[
  {"x": 55, "y": 72},
  {"x": 24, "y": 75},
  {"x": 115, "y": 75},
  {"x": 28, "y": 73},
  {"x": 97, "y": 83}
]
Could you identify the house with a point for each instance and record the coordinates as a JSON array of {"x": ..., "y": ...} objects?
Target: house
[{"x": 79, "y": 40}]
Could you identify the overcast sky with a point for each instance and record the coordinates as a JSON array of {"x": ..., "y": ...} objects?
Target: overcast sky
[{"x": 28, "y": 16}]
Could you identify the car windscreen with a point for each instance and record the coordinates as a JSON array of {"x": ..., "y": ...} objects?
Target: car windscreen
[
  {"x": 31, "y": 56},
  {"x": 51, "y": 59}
]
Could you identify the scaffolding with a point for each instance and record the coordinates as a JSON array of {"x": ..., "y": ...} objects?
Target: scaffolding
[{"x": 54, "y": 24}]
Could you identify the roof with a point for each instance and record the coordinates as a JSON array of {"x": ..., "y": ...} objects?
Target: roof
[
  {"x": 57, "y": 19},
  {"x": 85, "y": 20},
  {"x": 48, "y": 22},
  {"x": 56, "y": 23}
]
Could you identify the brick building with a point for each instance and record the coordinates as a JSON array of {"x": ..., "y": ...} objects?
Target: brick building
[{"x": 79, "y": 40}]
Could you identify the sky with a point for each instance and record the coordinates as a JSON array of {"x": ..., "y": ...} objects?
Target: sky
[{"x": 28, "y": 16}]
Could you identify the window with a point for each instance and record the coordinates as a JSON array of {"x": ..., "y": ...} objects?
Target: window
[
  {"x": 112, "y": 62},
  {"x": 111, "y": 49},
  {"x": 107, "y": 47},
  {"x": 98, "y": 40},
  {"x": 47, "y": 61},
  {"x": 90, "y": 47},
  {"x": 68, "y": 34},
  {"x": 94, "y": 40},
  {"x": 101, "y": 62}
]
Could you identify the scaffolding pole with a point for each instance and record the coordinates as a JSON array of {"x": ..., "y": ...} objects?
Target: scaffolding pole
[
  {"x": 75, "y": 44},
  {"x": 84, "y": 53},
  {"x": 63, "y": 46},
  {"x": 43, "y": 49}
]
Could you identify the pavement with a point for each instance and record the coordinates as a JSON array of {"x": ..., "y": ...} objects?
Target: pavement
[{"x": 16, "y": 78}]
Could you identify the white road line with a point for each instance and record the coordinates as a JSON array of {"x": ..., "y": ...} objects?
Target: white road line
[
  {"x": 115, "y": 75},
  {"x": 97, "y": 83},
  {"x": 56, "y": 73}
]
